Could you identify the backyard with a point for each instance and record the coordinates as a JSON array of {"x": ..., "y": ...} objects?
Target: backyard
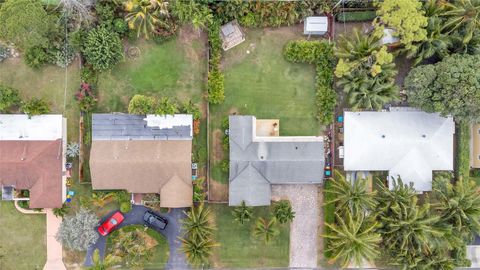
[
  {"x": 260, "y": 82},
  {"x": 239, "y": 248},
  {"x": 22, "y": 239}
]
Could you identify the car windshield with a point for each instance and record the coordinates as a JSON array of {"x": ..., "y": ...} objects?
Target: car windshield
[{"x": 113, "y": 221}]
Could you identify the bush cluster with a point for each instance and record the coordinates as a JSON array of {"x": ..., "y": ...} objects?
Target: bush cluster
[
  {"x": 216, "y": 87},
  {"x": 35, "y": 106},
  {"x": 356, "y": 16},
  {"x": 319, "y": 53},
  {"x": 9, "y": 97},
  {"x": 102, "y": 48}
]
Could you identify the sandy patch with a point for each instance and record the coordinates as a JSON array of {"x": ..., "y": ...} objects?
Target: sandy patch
[
  {"x": 218, "y": 191},
  {"x": 217, "y": 145}
]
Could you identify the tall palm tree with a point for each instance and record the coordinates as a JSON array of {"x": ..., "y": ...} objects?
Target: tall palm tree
[
  {"x": 353, "y": 240},
  {"x": 458, "y": 205},
  {"x": 399, "y": 196},
  {"x": 464, "y": 16},
  {"x": 357, "y": 47},
  {"x": 266, "y": 229},
  {"x": 242, "y": 213},
  {"x": 146, "y": 16},
  {"x": 197, "y": 224},
  {"x": 197, "y": 250},
  {"x": 436, "y": 44},
  {"x": 348, "y": 197}
]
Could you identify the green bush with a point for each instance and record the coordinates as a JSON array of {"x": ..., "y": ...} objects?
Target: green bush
[
  {"x": 140, "y": 104},
  {"x": 216, "y": 87},
  {"x": 103, "y": 48},
  {"x": 125, "y": 207},
  {"x": 463, "y": 150},
  {"x": 225, "y": 143},
  {"x": 63, "y": 56},
  {"x": 305, "y": 51},
  {"x": 225, "y": 165},
  {"x": 166, "y": 107},
  {"x": 88, "y": 75},
  {"x": 9, "y": 97},
  {"x": 356, "y": 16},
  {"x": 36, "y": 57},
  {"x": 35, "y": 106},
  {"x": 120, "y": 26}
]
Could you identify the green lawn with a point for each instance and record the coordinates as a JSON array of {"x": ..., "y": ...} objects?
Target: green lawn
[
  {"x": 22, "y": 239},
  {"x": 240, "y": 249},
  {"x": 260, "y": 82}
]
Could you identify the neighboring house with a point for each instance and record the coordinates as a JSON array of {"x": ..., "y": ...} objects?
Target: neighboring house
[
  {"x": 475, "y": 146},
  {"x": 259, "y": 158},
  {"x": 405, "y": 142},
  {"x": 143, "y": 154},
  {"x": 32, "y": 158}
]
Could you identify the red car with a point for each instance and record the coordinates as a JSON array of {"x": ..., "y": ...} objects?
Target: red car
[{"x": 111, "y": 223}]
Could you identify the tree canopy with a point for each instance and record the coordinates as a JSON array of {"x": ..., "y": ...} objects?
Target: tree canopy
[
  {"x": 103, "y": 48},
  {"x": 78, "y": 232}
]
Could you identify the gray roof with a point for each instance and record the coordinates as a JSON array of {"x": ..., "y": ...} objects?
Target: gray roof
[
  {"x": 256, "y": 164},
  {"x": 120, "y": 126}
]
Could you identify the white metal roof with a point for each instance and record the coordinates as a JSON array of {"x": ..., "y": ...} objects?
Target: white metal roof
[
  {"x": 409, "y": 144},
  {"x": 18, "y": 127},
  {"x": 169, "y": 121},
  {"x": 316, "y": 24},
  {"x": 389, "y": 36}
]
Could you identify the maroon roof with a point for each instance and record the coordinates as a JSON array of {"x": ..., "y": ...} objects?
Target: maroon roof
[{"x": 36, "y": 166}]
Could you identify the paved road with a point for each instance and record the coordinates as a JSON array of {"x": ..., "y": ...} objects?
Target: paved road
[{"x": 176, "y": 259}]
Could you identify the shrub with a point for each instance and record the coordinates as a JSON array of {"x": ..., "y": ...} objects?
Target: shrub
[
  {"x": 216, "y": 87},
  {"x": 225, "y": 165},
  {"x": 283, "y": 212},
  {"x": 356, "y": 16},
  {"x": 225, "y": 143},
  {"x": 225, "y": 124},
  {"x": 9, "y": 97},
  {"x": 120, "y": 26},
  {"x": 140, "y": 104},
  {"x": 36, "y": 57},
  {"x": 304, "y": 51},
  {"x": 64, "y": 56},
  {"x": 166, "y": 106},
  {"x": 35, "y": 106},
  {"x": 88, "y": 75},
  {"x": 216, "y": 90},
  {"x": 191, "y": 108},
  {"x": 125, "y": 207},
  {"x": 78, "y": 232},
  {"x": 73, "y": 150},
  {"x": 198, "y": 190},
  {"x": 103, "y": 48},
  {"x": 75, "y": 39},
  {"x": 85, "y": 98}
]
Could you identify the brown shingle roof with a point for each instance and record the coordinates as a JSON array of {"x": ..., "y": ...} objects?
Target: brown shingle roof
[
  {"x": 36, "y": 166},
  {"x": 144, "y": 167}
]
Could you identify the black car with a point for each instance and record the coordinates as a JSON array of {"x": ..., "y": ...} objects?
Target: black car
[{"x": 155, "y": 220}]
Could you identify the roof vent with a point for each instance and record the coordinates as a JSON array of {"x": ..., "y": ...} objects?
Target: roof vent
[
  {"x": 424, "y": 136},
  {"x": 383, "y": 136},
  {"x": 296, "y": 147}
]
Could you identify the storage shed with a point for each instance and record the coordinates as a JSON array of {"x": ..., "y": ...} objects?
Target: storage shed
[
  {"x": 231, "y": 35},
  {"x": 315, "y": 25}
]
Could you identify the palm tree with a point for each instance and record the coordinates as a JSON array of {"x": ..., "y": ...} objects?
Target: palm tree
[
  {"x": 458, "y": 205},
  {"x": 283, "y": 212},
  {"x": 348, "y": 197},
  {"x": 62, "y": 211},
  {"x": 132, "y": 247},
  {"x": 107, "y": 263},
  {"x": 197, "y": 250},
  {"x": 266, "y": 229},
  {"x": 436, "y": 43},
  {"x": 197, "y": 223},
  {"x": 242, "y": 213},
  {"x": 146, "y": 16},
  {"x": 399, "y": 196},
  {"x": 463, "y": 16},
  {"x": 99, "y": 199},
  {"x": 353, "y": 240}
]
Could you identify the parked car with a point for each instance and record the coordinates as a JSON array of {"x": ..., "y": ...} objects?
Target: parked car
[
  {"x": 155, "y": 220},
  {"x": 111, "y": 223}
]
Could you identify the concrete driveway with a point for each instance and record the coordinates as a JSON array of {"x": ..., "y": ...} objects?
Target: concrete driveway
[
  {"x": 304, "y": 232},
  {"x": 176, "y": 260}
]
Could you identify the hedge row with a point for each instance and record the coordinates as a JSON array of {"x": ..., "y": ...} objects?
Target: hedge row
[
  {"x": 356, "y": 16},
  {"x": 463, "y": 150},
  {"x": 216, "y": 87},
  {"x": 321, "y": 54}
]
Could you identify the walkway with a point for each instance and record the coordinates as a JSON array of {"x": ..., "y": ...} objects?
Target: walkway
[
  {"x": 304, "y": 228},
  {"x": 176, "y": 259},
  {"x": 54, "y": 248}
]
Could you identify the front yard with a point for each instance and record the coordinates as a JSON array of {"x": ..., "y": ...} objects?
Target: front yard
[
  {"x": 240, "y": 249},
  {"x": 23, "y": 243}
]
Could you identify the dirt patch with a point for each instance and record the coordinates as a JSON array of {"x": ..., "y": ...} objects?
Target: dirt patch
[
  {"x": 187, "y": 35},
  {"x": 233, "y": 111},
  {"x": 217, "y": 145},
  {"x": 218, "y": 191}
]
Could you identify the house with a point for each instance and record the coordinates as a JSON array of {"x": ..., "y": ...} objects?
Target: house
[
  {"x": 405, "y": 142},
  {"x": 32, "y": 158},
  {"x": 143, "y": 154},
  {"x": 315, "y": 25},
  {"x": 231, "y": 35},
  {"x": 259, "y": 158},
  {"x": 475, "y": 146}
]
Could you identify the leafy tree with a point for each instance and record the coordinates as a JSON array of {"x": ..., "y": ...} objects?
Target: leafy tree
[
  {"x": 197, "y": 225},
  {"x": 35, "y": 106},
  {"x": 242, "y": 213},
  {"x": 132, "y": 247},
  {"x": 62, "y": 211},
  {"x": 166, "y": 107},
  {"x": 197, "y": 250},
  {"x": 9, "y": 97},
  {"x": 78, "y": 232},
  {"x": 283, "y": 212},
  {"x": 450, "y": 87},
  {"x": 266, "y": 229},
  {"x": 102, "y": 48},
  {"x": 462, "y": 16},
  {"x": 146, "y": 16},
  {"x": 406, "y": 17},
  {"x": 140, "y": 104},
  {"x": 25, "y": 23},
  {"x": 353, "y": 240},
  {"x": 107, "y": 263},
  {"x": 351, "y": 197}
]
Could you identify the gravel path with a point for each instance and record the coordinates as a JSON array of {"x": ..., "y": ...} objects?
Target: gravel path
[
  {"x": 304, "y": 228},
  {"x": 176, "y": 259}
]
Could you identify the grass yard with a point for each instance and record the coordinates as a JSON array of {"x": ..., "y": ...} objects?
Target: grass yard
[
  {"x": 260, "y": 82},
  {"x": 240, "y": 249},
  {"x": 22, "y": 239}
]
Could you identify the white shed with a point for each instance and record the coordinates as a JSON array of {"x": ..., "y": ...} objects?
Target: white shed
[{"x": 315, "y": 25}]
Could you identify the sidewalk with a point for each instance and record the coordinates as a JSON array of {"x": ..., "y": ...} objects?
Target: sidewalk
[{"x": 54, "y": 248}]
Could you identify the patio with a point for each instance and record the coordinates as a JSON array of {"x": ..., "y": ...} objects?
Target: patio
[{"x": 267, "y": 127}]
